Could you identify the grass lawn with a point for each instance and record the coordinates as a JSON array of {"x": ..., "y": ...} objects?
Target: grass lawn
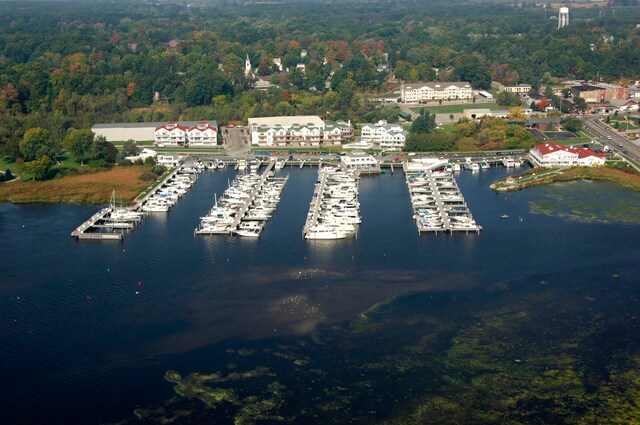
[
  {"x": 453, "y": 109},
  {"x": 94, "y": 188},
  {"x": 576, "y": 143}
]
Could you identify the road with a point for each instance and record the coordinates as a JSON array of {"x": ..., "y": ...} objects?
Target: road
[
  {"x": 237, "y": 141},
  {"x": 616, "y": 141}
]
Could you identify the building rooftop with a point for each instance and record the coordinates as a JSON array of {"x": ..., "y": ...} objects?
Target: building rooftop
[
  {"x": 305, "y": 120},
  {"x": 153, "y": 125}
]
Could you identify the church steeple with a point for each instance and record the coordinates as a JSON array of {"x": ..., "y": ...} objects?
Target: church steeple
[{"x": 247, "y": 67}]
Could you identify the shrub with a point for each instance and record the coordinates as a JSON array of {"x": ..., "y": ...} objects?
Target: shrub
[
  {"x": 158, "y": 169},
  {"x": 147, "y": 177}
]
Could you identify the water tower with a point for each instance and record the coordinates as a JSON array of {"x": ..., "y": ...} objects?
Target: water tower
[{"x": 563, "y": 17}]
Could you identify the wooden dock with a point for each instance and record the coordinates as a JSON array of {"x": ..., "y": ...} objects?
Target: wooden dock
[
  {"x": 84, "y": 230},
  {"x": 439, "y": 192},
  {"x": 252, "y": 196}
]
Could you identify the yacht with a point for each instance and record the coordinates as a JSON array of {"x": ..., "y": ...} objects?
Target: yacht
[
  {"x": 456, "y": 167},
  {"x": 475, "y": 167},
  {"x": 484, "y": 165},
  {"x": 248, "y": 233}
]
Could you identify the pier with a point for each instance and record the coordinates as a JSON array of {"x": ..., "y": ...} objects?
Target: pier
[
  {"x": 334, "y": 212},
  {"x": 245, "y": 206},
  {"x": 252, "y": 196},
  {"x": 438, "y": 204},
  {"x": 112, "y": 222}
]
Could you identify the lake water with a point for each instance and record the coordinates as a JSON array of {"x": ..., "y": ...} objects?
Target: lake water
[{"x": 89, "y": 329}]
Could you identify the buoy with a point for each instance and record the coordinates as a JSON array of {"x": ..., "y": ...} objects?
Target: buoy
[
  {"x": 139, "y": 283},
  {"x": 137, "y": 292},
  {"x": 89, "y": 298},
  {"x": 305, "y": 258},
  {"x": 108, "y": 270}
]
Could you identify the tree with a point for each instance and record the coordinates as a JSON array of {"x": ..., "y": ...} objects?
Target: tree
[
  {"x": 130, "y": 148},
  {"x": 505, "y": 98},
  {"x": 572, "y": 124},
  {"x": 37, "y": 142},
  {"x": 470, "y": 68},
  {"x": 580, "y": 103},
  {"x": 437, "y": 141},
  {"x": 425, "y": 123},
  {"x": 79, "y": 143},
  {"x": 516, "y": 113},
  {"x": 101, "y": 150},
  {"x": 39, "y": 168}
]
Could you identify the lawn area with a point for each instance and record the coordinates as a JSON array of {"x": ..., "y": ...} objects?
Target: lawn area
[
  {"x": 93, "y": 188},
  {"x": 576, "y": 143},
  {"x": 453, "y": 109}
]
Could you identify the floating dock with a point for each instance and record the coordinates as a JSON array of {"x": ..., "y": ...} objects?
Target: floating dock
[
  {"x": 112, "y": 222},
  {"x": 246, "y": 211},
  {"x": 334, "y": 211},
  {"x": 438, "y": 204}
]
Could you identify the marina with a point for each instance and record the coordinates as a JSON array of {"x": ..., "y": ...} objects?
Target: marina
[
  {"x": 438, "y": 204},
  {"x": 113, "y": 222},
  {"x": 334, "y": 212},
  {"x": 246, "y": 204}
]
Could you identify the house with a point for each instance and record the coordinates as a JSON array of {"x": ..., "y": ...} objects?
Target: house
[
  {"x": 417, "y": 92},
  {"x": 390, "y": 137},
  {"x": 298, "y": 131},
  {"x": 143, "y": 155},
  {"x": 171, "y": 134},
  {"x": 625, "y": 105},
  {"x": 203, "y": 134},
  {"x": 555, "y": 155},
  {"x": 262, "y": 84},
  {"x": 543, "y": 123}
]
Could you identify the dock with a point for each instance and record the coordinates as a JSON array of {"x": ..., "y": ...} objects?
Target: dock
[
  {"x": 438, "y": 204},
  {"x": 252, "y": 196},
  {"x": 245, "y": 206},
  {"x": 334, "y": 211}
]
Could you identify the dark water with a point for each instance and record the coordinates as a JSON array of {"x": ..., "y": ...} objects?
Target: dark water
[{"x": 88, "y": 329}]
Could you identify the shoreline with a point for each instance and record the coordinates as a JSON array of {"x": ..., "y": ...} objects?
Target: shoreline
[
  {"x": 89, "y": 188},
  {"x": 625, "y": 177}
]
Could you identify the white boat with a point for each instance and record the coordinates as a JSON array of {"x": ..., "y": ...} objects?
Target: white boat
[
  {"x": 248, "y": 233},
  {"x": 220, "y": 165},
  {"x": 484, "y": 165},
  {"x": 475, "y": 167},
  {"x": 508, "y": 162},
  {"x": 456, "y": 167}
]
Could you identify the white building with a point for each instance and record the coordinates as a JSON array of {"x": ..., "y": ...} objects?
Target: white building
[
  {"x": 194, "y": 133},
  {"x": 416, "y": 92},
  {"x": 169, "y": 160},
  {"x": 518, "y": 89},
  {"x": 298, "y": 131},
  {"x": 390, "y": 137},
  {"x": 144, "y": 154},
  {"x": 203, "y": 134},
  {"x": 555, "y": 155},
  {"x": 360, "y": 161},
  {"x": 563, "y": 17},
  {"x": 171, "y": 134}
]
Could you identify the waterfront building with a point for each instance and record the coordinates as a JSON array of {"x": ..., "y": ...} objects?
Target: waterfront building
[
  {"x": 298, "y": 131},
  {"x": 153, "y": 131},
  {"x": 556, "y": 155},
  {"x": 360, "y": 161},
  {"x": 203, "y": 134},
  {"x": 390, "y": 137},
  {"x": 417, "y": 92}
]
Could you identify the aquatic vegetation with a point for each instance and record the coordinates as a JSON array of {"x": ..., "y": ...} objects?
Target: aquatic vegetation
[
  {"x": 587, "y": 202},
  {"x": 529, "y": 353}
]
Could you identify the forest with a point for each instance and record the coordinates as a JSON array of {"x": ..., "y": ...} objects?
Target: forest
[{"x": 65, "y": 65}]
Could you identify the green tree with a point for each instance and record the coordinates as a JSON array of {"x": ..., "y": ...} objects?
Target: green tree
[
  {"x": 436, "y": 141},
  {"x": 39, "y": 168},
  {"x": 580, "y": 103},
  {"x": 470, "y": 68},
  {"x": 130, "y": 148},
  {"x": 79, "y": 143},
  {"x": 37, "y": 142},
  {"x": 424, "y": 123},
  {"x": 505, "y": 98},
  {"x": 103, "y": 151},
  {"x": 572, "y": 124}
]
